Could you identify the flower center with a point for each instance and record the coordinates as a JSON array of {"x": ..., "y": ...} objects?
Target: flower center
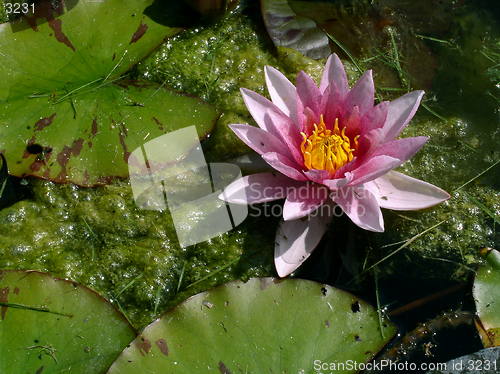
[{"x": 326, "y": 149}]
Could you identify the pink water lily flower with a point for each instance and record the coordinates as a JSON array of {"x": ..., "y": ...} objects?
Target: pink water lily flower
[{"x": 332, "y": 149}]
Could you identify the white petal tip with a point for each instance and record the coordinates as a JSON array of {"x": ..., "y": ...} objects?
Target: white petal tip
[
  {"x": 283, "y": 268},
  {"x": 398, "y": 191}
]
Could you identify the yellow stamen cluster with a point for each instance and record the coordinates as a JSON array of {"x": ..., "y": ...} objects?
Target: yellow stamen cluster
[{"x": 326, "y": 149}]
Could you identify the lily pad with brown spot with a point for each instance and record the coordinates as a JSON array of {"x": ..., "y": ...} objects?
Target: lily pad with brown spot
[
  {"x": 266, "y": 325},
  {"x": 87, "y": 138},
  {"x": 65, "y": 115}
]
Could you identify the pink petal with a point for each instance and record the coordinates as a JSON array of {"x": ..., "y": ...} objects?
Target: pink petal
[
  {"x": 401, "y": 111},
  {"x": 367, "y": 145},
  {"x": 259, "y": 140},
  {"x": 284, "y": 165},
  {"x": 387, "y": 157},
  {"x": 331, "y": 105},
  {"x": 304, "y": 200},
  {"x": 282, "y": 92},
  {"x": 361, "y": 206},
  {"x": 288, "y": 132},
  {"x": 295, "y": 240},
  {"x": 374, "y": 118},
  {"x": 308, "y": 94},
  {"x": 373, "y": 168},
  {"x": 351, "y": 123},
  {"x": 259, "y": 188},
  {"x": 257, "y": 106},
  {"x": 336, "y": 183},
  {"x": 334, "y": 72},
  {"x": 308, "y": 120},
  {"x": 400, "y": 192},
  {"x": 361, "y": 94},
  {"x": 317, "y": 176},
  {"x": 402, "y": 149}
]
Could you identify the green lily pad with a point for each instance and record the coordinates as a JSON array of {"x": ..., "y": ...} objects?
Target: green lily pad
[
  {"x": 88, "y": 138},
  {"x": 263, "y": 326},
  {"x": 487, "y": 297},
  {"x": 64, "y": 114},
  {"x": 50, "y": 325},
  {"x": 56, "y": 47}
]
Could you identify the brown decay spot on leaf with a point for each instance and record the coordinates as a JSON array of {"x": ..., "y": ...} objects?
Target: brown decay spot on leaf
[
  {"x": 124, "y": 129},
  {"x": 93, "y": 131},
  {"x": 223, "y": 369},
  {"x": 16, "y": 290},
  {"x": 104, "y": 180},
  {"x": 39, "y": 370},
  {"x": 63, "y": 158},
  {"x": 41, "y": 160},
  {"x": 56, "y": 25},
  {"x": 144, "y": 345},
  {"x": 162, "y": 345},
  {"x": 327, "y": 324},
  {"x": 122, "y": 85},
  {"x": 122, "y": 135},
  {"x": 4, "y": 298},
  {"x": 160, "y": 125},
  {"x": 264, "y": 283},
  {"x": 141, "y": 30},
  {"x": 45, "y": 9},
  {"x": 44, "y": 122}
]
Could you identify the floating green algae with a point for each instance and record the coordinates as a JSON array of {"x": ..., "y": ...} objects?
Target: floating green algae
[
  {"x": 99, "y": 238},
  {"x": 463, "y": 227},
  {"x": 462, "y": 152},
  {"x": 3, "y": 15}
]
